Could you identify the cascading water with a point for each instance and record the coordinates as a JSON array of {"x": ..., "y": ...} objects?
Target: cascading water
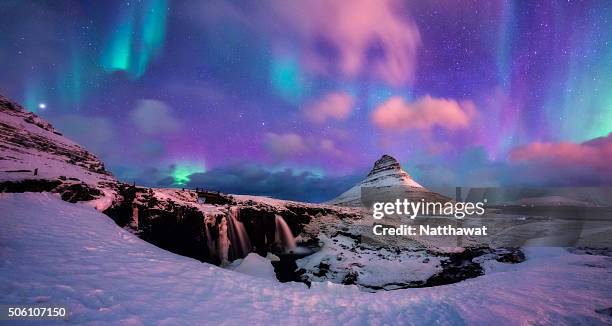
[
  {"x": 223, "y": 242},
  {"x": 240, "y": 244},
  {"x": 135, "y": 217},
  {"x": 283, "y": 234},
  {"x": 212, "y": 247}
]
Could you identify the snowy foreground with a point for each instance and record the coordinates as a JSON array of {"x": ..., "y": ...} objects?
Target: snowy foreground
[{"x": 55, "y": 252}]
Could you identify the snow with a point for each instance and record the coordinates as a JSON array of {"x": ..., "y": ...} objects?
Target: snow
[
  {"x": 375, "y": 268},
  {"x": 281, "y": 204},
  {"x": 255, "y": 265},
  {"x": 262, "y": 199},
  {"x": 386, "y": 173},
  {"x": 50, "y": 165},
  {"x": 60, "y": 253},
  {"x": 29, "y": 143},
  {"x": 103, "y": 202}
]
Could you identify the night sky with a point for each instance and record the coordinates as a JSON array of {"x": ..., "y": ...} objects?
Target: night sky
[{"x": 297, "y": 99}]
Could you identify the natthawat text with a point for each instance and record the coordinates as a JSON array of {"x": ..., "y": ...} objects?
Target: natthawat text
[{"x": 426, "y": 230}]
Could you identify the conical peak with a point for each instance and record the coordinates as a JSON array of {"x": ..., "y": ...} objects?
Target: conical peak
[
  {"x": 386, "y": 175},
  {"x": 385, "y": 163}
]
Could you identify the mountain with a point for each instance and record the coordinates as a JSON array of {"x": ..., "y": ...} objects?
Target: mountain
[
  {"x": 37, "y": 157},
  {"x": 386, "y": 179},
  {"x": 334, "y": 243}
]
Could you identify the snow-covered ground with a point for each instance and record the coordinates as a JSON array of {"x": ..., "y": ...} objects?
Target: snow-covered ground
[
  {"x": 60, "y": 253},
  {"x": 374, "y": 267}
]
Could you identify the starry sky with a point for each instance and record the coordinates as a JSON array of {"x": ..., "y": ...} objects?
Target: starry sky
[{"x": 298, "y": 99}]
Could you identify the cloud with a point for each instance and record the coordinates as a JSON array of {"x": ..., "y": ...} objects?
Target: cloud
[
  {"x": 329, "y": 147},
  {"x": 335, "y": 38},
  {"x": 594, "y": 155},
  {"x": 424, "y": 114},
  {"x": 154, "y": 117},
  {"x": 563, "y": 163},
  {"x": 335, "y": 105},
  {"x": 290, "y": 145},
  {"x": 284, "y": 145},
  {"x": 382, "y": 44},
  {"x": 284, "y": 184}
]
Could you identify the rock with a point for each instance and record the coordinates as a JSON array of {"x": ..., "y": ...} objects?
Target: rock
[
  {"x": 511, "y": 256},
  {"x": 272, "y": 257},
  {"x": 604, "y": 311},
  {"x": 350, "y": 278},
  {"x": 29, "y": 185},
  {"x": 323, "y": 269},
  {"x": 78, "y": 192}
]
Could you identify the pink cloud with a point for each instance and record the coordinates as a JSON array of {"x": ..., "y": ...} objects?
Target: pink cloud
[
  {"x": 336, "y": 106},
  {"x": 424, "y": 114},
  {"x": 290, "y": 145},
  {"x": 329, "y": 147},
  {"x": 338, "y": 38},
  {"x": 382, "y": 44},
  {"x": 284, "y": 145},
  {"x": 594, "y": 154}
]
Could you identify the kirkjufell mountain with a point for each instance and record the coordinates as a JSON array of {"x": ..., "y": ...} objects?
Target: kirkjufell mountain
[{"x": 387, "y": 178}]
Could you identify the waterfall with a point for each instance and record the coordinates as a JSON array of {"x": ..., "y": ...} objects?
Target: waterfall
[
  {"x": 223, "y": 242},
  {"x": 210, "y": 243},
  {"x": 240, "y": 244},
  {"x": 283, "y": 233},
  {"x": 134, "y": 223}
]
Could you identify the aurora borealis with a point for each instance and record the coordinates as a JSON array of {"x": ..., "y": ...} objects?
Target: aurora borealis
[{"x": 298, "y": 99}]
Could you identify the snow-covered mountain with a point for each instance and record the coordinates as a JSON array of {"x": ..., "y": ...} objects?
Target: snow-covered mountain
[
  {"x": 387, "y": 178},
  {"x": 37, "y": 157}
]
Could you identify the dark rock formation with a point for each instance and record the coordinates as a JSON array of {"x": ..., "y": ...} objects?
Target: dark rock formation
[
  {"x": 69, "y": 191},
  {"x": 76, "y": 192},
  {"x": 29, "y": 185},
  {"x": 387, "y": 165}
]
